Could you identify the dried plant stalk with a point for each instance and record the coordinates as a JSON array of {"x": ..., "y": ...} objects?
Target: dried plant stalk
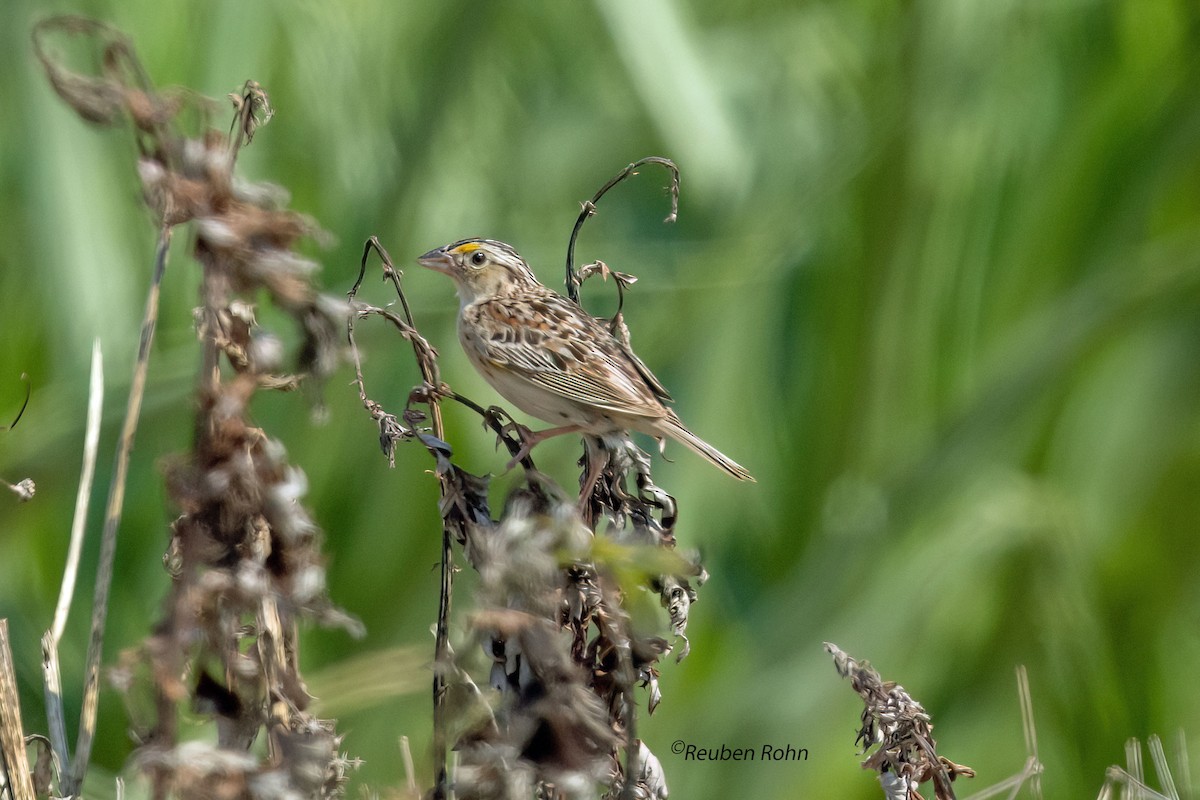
[
  {"x": 900, "y": 732},
  {"x": 17, "y": 777},
  {"x": 573, "y": 279},
  {"x": 244, "y": 554},
  {"x": 566, "y": 656},
  {"x": 52, "y": 637}
]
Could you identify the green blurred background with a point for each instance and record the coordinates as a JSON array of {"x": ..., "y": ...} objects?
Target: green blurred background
[{"x": 935, "y": 281}]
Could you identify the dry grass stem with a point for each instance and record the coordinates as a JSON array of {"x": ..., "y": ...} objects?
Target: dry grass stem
[
  {"x": 112, "y": 521},
  {"x": 410, "y": 771},
  {"x": 17, "y": 779},
  {"x": 1130, "y": 782},
  {"x": 1182, "y": 765},
  {"x": 1159, "y": 757},
  {"x": 1033, "y": 765},
  {"x": 1031, "y": 772},
  {"x": 50, "y": 668},
  {"x": 91, "y": 442}
]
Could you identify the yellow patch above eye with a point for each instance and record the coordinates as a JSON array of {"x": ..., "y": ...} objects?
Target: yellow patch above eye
[{"x": 469, "y": 247}]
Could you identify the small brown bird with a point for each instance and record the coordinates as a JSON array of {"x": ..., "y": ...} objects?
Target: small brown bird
[{"x": 550, "y": 358}]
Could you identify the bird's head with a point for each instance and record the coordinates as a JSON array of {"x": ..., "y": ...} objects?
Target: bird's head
[{"x": 481, "y": 268}]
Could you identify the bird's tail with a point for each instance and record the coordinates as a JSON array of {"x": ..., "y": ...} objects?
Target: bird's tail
[{"x": 675, "y": 428}]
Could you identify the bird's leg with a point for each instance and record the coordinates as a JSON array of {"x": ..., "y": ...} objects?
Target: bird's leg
[
  {"x": 597, "y": 458},
  {"x": 530, "y": 439},
  {"x": 504, "y": 425}
]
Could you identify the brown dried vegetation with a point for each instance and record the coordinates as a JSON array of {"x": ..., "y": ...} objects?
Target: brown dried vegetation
[
  {"x": 553, "y": 712},
  {"x": 559, "y": 715},
  {"x": 244, "y": 555}
]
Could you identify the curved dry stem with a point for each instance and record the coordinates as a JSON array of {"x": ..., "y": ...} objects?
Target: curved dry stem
[
  {"x": 24, "y": 405},
  {"x": 573, "y": 279}
]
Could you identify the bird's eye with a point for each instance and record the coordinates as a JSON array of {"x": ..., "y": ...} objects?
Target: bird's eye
[{"x": 478, "y": 258}]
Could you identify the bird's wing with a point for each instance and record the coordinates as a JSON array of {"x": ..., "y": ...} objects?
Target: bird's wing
[
  {"x": 556, "y": 346},
  {"x": 649, "y": 377}
]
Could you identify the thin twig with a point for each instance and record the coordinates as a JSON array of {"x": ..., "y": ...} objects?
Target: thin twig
[
  {"x": 424, "y": 363},
  {"x": 24, "y": 405},
  {"x": 1030, "y": 729},
  {"x": 589, "y": 209},
  {"x": 112, "y": 519},
  {"x": 428, "y": 369},
  {"x": 50, "y": 671},
  {"x": 1012, "y": 784},
  {"x": 441, "y": 664}
]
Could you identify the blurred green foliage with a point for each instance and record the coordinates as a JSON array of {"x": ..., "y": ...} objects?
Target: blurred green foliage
[{"x": 935, "y": 281}]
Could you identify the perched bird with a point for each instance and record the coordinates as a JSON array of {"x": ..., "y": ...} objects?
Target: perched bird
[{"x": 550, "y": 358}]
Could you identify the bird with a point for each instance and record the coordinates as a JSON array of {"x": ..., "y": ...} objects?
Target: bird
[{"x": 546, "y": 355}]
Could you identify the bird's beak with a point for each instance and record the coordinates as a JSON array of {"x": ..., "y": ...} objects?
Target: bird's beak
[{"x": 437, "y": 260}]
